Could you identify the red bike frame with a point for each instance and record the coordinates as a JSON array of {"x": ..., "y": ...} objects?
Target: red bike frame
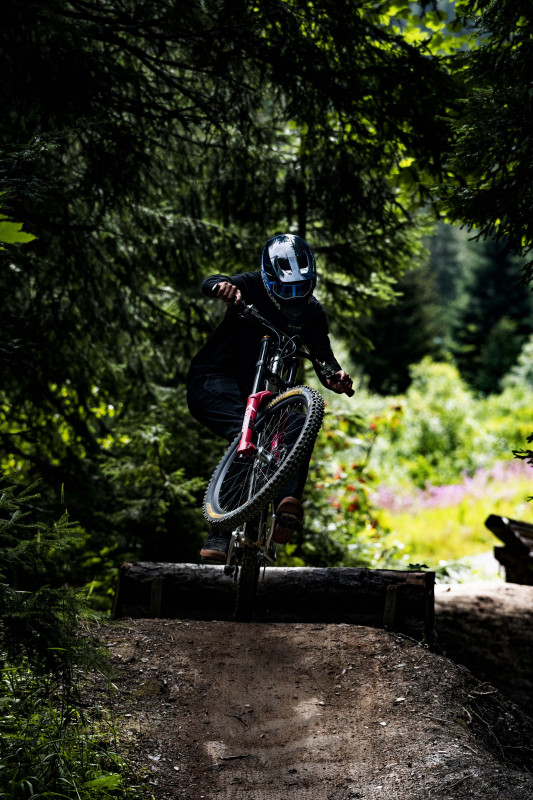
[{"x": 247, "y": 448}]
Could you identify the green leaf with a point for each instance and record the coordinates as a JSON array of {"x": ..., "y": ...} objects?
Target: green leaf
[
  {"x": 12, "y": 233},
  {"x": 104, "y": 782}
]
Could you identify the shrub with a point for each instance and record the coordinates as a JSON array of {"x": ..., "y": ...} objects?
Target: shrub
[
  {"x": 342, "y": 528},
  {"x": 49, "y": 745},
  {"x": 444, "y": 431}
]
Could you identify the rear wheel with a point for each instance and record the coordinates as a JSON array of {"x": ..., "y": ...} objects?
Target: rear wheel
[
  {"x": 285, "y": 432},
  {"x": 247, "y": 584}
]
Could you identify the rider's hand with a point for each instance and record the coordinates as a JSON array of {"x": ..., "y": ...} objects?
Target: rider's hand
[
  {"x": 228, "y": 293},
  {"x": 341, "y": 382}
]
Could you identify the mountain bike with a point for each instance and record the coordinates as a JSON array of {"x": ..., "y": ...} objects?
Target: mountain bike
[{"x": 279, "y": 429}]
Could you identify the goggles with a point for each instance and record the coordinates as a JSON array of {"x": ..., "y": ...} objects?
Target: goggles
[{"x": 287, "y": 291}]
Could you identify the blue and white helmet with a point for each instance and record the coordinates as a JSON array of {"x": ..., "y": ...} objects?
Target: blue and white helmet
[{"x": 289, "y": 270}]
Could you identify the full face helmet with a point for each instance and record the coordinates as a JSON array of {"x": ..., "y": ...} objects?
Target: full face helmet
[{"x": 289, "y": 270}]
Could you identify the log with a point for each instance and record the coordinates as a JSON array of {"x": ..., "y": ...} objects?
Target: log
[
  {"x": 393, "y": 599},
  {"x": 517, "y": 554}
]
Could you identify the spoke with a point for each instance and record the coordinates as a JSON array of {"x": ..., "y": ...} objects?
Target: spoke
[
  {"x": 234, "y": 489},
  {"x": 275, "y": 442}
]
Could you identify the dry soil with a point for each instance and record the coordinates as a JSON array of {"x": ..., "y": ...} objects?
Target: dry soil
[{"x": 330, "y": 712}]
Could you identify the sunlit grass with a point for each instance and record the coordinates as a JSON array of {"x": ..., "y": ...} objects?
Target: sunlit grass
[{"x": 432, "y": 528}]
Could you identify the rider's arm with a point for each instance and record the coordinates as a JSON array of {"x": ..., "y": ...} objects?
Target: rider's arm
[
  {"x": 317, "y": 340},
  {"x": 224, "y": 287},
  {"x": 209, "y": 284}
]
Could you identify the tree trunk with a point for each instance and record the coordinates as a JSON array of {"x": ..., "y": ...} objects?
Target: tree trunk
[{"x": 402, "y": 601}]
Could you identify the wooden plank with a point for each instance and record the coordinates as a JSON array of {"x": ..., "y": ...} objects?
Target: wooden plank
[
  {"x": 518, "y": 568},
  {"x": 517, "y": 555},
  {"x": 395, "y": 599},
  {"x": 516, "y": 535},
  {"x": 389, "y": 612}
]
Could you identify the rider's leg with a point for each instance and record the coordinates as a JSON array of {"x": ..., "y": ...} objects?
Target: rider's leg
[
  {"x": 289, "y": 510},
  {"x": 294, "y": 487},
  {"x": 218, "y": 403}
]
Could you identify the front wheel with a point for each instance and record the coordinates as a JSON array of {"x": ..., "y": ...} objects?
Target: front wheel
[{"x": 286, "y": 431}]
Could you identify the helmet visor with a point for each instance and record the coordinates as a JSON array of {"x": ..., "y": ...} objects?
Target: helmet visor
[{"x": 288, "y": 291}]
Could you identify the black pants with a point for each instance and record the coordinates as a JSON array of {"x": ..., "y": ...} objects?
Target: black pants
[{"x": 219, "y": 403}]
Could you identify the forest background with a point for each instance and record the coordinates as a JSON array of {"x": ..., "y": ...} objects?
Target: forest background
[{"x": 146, "y": 145}]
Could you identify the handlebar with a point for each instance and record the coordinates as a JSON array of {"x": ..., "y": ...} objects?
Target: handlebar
[{"x": 325, "y": 370}]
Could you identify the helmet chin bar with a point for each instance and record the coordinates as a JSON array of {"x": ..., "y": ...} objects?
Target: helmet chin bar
[{"x": 294, "y": 311}]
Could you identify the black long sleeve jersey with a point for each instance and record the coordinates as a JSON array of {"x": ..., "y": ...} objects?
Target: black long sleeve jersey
[{"x": 232, "y": 348}]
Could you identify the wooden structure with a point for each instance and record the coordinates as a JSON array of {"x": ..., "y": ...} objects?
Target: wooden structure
[
  {"x": 517, "y": 554},
  {"x": 397, "y": 600}
]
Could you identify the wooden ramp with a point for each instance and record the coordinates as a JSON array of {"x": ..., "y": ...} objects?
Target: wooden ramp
[{"x": 397, "y": 600}]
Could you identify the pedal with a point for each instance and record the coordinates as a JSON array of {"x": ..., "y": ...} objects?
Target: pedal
[{"x": 288, "y": 520}]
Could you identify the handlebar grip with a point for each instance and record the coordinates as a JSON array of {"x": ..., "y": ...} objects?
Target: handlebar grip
[{"x": 349, "y": 392}]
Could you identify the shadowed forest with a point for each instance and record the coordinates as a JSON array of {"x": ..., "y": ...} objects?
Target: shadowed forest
[{"x": 146, "y": 145}]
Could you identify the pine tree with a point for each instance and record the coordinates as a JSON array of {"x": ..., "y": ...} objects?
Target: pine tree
[
  {"x": 496, "y": 318},
  {"x": 402, "y": 334}
]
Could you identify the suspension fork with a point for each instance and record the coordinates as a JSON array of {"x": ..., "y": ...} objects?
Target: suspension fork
[{"x": 246, "y": 447}]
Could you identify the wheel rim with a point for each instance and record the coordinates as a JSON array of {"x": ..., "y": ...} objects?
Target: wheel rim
[{"x": 278, "y": 433}]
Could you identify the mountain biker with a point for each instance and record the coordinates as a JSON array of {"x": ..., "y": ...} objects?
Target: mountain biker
[{"x": 221, "y": 374}]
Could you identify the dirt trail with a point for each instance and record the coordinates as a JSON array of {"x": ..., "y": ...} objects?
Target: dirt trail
[
  {"x": 488, "y": 627},
  {"x": 321, "y": 712}
]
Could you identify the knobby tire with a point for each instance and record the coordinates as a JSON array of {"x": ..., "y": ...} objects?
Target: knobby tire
[
  {"x": 286, "y": 431},
  {"x": 247, "y": 585}
]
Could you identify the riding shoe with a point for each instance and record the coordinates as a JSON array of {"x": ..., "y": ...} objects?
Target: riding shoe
[
  {"x": 216, "y": 546},
  {"x": 289, "y": 518}
]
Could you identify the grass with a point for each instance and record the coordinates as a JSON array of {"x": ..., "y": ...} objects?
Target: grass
[
  {"x": 52, "y": 747},
  {"x": 446, "y": 523}
]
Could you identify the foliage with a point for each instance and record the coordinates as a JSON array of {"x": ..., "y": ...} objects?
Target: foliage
[
  {"x": 436, "y": 438},
  {"x": 195, "y": 132},
  {"x": 12, "y": 233},
  {"x": 445, "y": 431},
  {"x": 151, "y": 460},
  {"x": 50, "y": 743},
  {"x": 38, "y": 621},
  {"x": 468, "y": 304},
  {"x": 443, "y": 461},
  {"x": 401, "y": 334},
  {"x": 520, "y": 376},
  {"x": 493, "y": 320},
  {"x": 442, "y": 524},
  {"x": 342, "y": 527},
  {"x": 51, "y": 746},
  {"x": 450, "y": 261},
  {"x": 493, "y": 130},
  {"x": 494, "y": 144}
]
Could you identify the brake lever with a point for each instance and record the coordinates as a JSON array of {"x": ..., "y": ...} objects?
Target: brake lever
[{"x": 329, "y": 372}]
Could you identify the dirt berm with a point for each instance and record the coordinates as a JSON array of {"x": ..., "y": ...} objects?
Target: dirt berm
[{"x": 323, "y": 712}]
